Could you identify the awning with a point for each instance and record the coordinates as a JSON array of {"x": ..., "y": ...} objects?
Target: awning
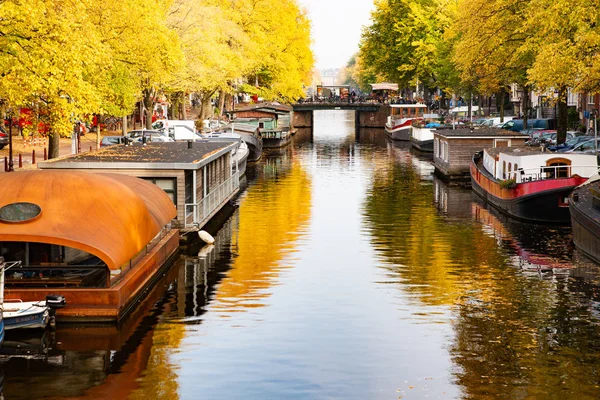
[{"x": 384, "y": 86}]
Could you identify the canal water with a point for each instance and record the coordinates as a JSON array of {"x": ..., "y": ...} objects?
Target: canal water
[{"x": 345, "y": 270}]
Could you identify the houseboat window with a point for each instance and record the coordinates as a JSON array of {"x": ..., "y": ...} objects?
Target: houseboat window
[
  {"x": 47, "y": 265},
  {"x": 516, "y": 169},
  {"x": 509, "y": 170},
  {"x": 436, "y": 144},
  {"x": 556, "y": 171},
  {"x": 189, "y": 186},
  {"x": 166, "y": 184},
  {"x": 503, "y": 169}
]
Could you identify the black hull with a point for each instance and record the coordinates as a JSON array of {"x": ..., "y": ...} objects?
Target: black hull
[
  {"x": 585, "y": 221},
  {"x": 276, "y": 143},
  {"x": 426, "y": 146},
  {"x": 255, "y": 146},
  {"x": 540, "y": 207}
]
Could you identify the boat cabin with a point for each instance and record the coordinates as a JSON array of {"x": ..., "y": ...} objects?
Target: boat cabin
[
  {"x": 97, "y": 239},
  {"x": 264, "y": 115},
  {"x": 453, "y": 149},
  {"x": 523, "y": 164},
  {"x": 407, "y": 111},
  {"x": 199, "y": 177}
]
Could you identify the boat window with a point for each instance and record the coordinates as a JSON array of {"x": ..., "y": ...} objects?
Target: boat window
[
  {"x": 559, "y": 168},
  {"x": 503, "y": 169},
  {"x": 509, "y": 170},
  {"x": 516, "y": 169},
  {"x": 47, "y": 265}
]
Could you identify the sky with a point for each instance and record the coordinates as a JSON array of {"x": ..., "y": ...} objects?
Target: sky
[{"x": 336, "y": 28}]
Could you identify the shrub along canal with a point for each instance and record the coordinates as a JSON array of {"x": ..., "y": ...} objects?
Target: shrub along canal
[{"x": 346, "y": 271}]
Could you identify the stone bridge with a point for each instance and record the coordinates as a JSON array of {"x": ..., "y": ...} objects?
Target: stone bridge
[{"x": 367, "y": 115}]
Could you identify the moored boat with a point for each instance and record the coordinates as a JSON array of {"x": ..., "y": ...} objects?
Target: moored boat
[
  {"x": 584, "y": 206},
  {"x": 422, "y": 139},
  {"x": 276, "y": 138},
  {"x": 100, "y": 255},
  {"x": 528, "y": 184},
  {"x": 399, "y": 122},
  {"x": 249, "y": 134}
]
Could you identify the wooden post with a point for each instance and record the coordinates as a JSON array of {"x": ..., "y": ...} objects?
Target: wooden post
[
  {"x": 45, "y": 153},
  {"x": 33, "y": 156},
  {"x": 5, "y": 163},
  {"x": 20, "y": 161}
]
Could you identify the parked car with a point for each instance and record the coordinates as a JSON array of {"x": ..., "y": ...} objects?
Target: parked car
[
  {"x": 586, "y": 147},
  {"x": 112, "y": 140},
  {"x": 495, "y": 121},
  {"x": 516, "y": 125},
  {"x": 139, "y": 133},
  {"x": 157, "y": 138},
  {"x": 3, "y": 138},
  {"x": 549, "y": 139},
  {"x": 569, "y": 144}
]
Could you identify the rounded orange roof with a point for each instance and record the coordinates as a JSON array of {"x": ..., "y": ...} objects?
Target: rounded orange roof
[{"x": 108, "y": 215}]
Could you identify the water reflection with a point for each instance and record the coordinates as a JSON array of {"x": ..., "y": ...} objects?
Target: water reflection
[
  {"x": 90, "y": 361},
  {"x": 274, "y": 213},
  {"x": 347, "y": 271}
]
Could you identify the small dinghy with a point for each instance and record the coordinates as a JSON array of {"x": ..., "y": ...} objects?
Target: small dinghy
[{"x": 31, "y": 314}]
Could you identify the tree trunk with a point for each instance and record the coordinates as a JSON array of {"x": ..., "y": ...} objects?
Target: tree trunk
[
  {"x": 205, "y": 107},
  {"x": 124, "y": 126},
  {"x": 470, "y": 106},
  {"x": 502, "y": 94},
  {"x": 183, "y": 104},
  {"x": 54, "y": 143},
  {"x": 221, "y": 103},
  {"x": 561, "y": 123},
  {"x": 525, "y": 105},
  {"x": 149, "y": 105},
  {"x": 98, "y": 136}
]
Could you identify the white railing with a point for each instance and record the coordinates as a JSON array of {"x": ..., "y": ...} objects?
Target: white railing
[
  {"x": 205, "y": 208},
  {"x": 552, "y": 172}
]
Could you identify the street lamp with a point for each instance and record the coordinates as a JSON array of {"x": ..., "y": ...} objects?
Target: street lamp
[{"x": 10, "y": 146}]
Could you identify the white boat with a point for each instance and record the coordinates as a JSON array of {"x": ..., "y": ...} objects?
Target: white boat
[
  {"x": 399, "y": 122},
  {"x": 25, "y": 314},
  {"x": 241, "y": 158}
]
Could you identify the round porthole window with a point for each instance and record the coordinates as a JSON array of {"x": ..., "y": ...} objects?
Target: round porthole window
[{"x": 19, "y": 212}]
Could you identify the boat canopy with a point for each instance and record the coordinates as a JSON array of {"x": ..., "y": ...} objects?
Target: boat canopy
[
  {"x": 384, "y": 86},
  {"x": 108, "y": 215}
]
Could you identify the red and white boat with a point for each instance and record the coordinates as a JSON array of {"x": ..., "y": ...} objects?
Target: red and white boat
[
  {"x": 528, "y": 184},
  {"x": 399, "y": 122}
]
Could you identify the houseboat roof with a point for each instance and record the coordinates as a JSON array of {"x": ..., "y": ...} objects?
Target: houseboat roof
[
  {"x": 110, "y": 216},
  {"x": 275, "y": 108},
  {"x": 159, "y": 155},
  {"x": 517, "y": 151},
  {"x": 467, "y": 133}
]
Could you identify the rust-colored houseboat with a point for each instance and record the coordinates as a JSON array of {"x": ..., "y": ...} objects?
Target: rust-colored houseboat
[{"x": 99, "y": 240}]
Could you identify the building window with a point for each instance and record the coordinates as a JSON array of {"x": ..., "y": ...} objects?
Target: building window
[
  {"x": 169, "y": 185},
  {"x": 436, "y": 144},
  {"x": 590, "y": 98}
]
